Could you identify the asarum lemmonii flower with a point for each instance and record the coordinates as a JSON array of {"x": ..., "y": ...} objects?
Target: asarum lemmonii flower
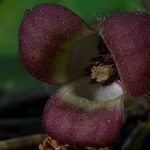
[{"x": 98, "y": 70}]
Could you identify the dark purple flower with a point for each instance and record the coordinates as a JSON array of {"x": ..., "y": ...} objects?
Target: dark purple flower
[{"x": 99, "y": 70}]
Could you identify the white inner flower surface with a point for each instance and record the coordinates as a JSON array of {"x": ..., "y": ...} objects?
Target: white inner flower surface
[
  {"x": 97, "y": 92},
  {"x": 108, "y": 92}
]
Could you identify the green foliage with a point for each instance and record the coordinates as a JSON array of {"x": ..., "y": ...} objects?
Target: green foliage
[{"x": 13, "y": 75}]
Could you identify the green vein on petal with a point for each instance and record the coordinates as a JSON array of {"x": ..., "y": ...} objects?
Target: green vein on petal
[{"x": 71, "y": 94}]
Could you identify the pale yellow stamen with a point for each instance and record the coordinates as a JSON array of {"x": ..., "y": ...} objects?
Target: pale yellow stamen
[{"x": 101, "y": 73}]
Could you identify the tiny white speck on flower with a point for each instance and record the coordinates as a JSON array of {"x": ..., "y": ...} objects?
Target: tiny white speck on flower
[{"x": 108, "y": 120}]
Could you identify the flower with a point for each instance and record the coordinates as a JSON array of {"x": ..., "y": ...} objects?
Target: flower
[{"x": 57, "y": 46}]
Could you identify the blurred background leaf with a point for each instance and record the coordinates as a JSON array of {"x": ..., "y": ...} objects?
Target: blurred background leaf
[{"x": 13, "y": 76}]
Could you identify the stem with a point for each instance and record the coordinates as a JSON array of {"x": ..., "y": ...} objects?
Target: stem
[
  {"x": 22, "y": 143},
  {"x": 135, "y": 140},
  {"x": 17, "y": 127}
]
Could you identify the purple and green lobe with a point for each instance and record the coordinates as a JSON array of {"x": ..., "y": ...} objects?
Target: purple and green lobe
[
  {"x": 84, "y": 124},
  {"x": 127, "y": 36},
  {"x": 47, "y": 34}
]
